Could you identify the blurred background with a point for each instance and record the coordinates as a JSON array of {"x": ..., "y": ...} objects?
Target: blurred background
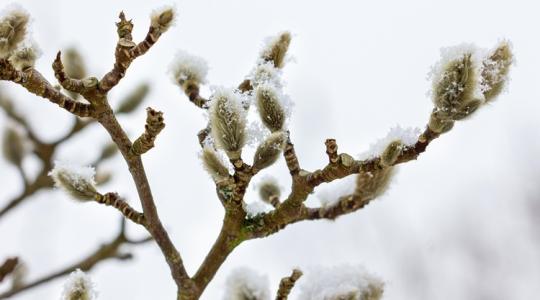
[{"x": 462, "y": 222}]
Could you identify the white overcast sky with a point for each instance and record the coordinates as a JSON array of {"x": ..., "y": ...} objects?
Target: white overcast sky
[{"x": 456, "y": 224}]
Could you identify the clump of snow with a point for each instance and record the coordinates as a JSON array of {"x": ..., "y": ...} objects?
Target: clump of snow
[
  {"x": 79, "y": 286},
  {"x": 450, "y": 54},
  {"x": 186, "y": 66},
  {"x": 78, "y": 175},
  {"x": 244, "y": 283},
  {"x": 408, "y": 137},
  {"x": 339, "y": 282},
  {"x": 255, "y": 208},
  {"x": 256, "y": 133},
  {"x": 265, "y": 72},
  {"x": 330, "y": 194}
]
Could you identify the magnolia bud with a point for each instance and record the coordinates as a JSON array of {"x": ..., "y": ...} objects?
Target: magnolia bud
[
  {"x": 187, "y": 69},
  {"x": 391, "y": 153},
  {"x": 439, "y": 125},
  {"x": 133, "y": 100},
  {"x": 163, "y": 19},
  {"x": 78, "y": 286},
  {"x": 78, "y": 182},
  {"x": 228, "y": 122},
  {"x": 370, "y": 185},
  {"x": 495, "y": 70},
  {"x": 13, "y": 146},
  {"x": 455, "y": 87},
  {"x": 214, "y": 164},
  {"x": 269, "y": 191},
  {"x": 25, "y": 57},
  {"x": 108, "y": 151},
  {"x": 276, "y": 49},
  {"x": 270, "y": 108},
  {"x": 13, "y": 27},
  {"x": 74, "y": 64},
  {"x": 268, "y": 151},
  {"x": 244, "y": 283}
]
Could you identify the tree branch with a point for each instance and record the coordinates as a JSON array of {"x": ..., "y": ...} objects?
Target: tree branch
[
  {"x": 287, "y": 283},
  {"x": 105, "y": 252}
]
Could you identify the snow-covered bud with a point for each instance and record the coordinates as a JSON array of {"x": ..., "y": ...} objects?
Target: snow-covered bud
[
  {"x": 103, "y": 177},
  {"x": 163, "y": 19},
  {"x": 340, "y": 283},
  {"x": 108, "y": 151},
  {"x": 77, "y": 181},
  {"x": 439, "y": 125},
  {"x": 188, "y": 71},
  {"x": 13, "y": 146},
  {"x": 74, "y": 64},
  {"x": 228, "y": 122},
  {"x": 270, "y": 108},
  {"x": 269, "y": 191},
  {"x": 276, "y": 48},
  {"x": 456, "y": 91},
  {"x": 269, "y": 150},
  {"x": 246, "y": 284},
  {"x": 391, "y": 153},
  {"x": 133, "y": 99},
  {"x": 79, "y": 286},
  {"x": 265, "y": 72},
  {"x": 13, "y": 28},
  {"x": 25, "y": 57},
  {"x": 214, "y": 164},
  {"x": 370, "y": 185},
  {"x": 495, "y": 70}
]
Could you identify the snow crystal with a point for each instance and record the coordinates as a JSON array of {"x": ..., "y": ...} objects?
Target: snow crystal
[
  {"x": 329, "y": 194},
  {"x": 186, "y": 66},
  {"x": 78, "y": 176},
  {"x": 449, "y": 54},
  {"x": 256, "y": 207},
  {"x": 408, "y": 137},
  {"x": 320, "y": 283},
  {"x": 244, "y": 283},
  {"x": 79, "y": 286}
]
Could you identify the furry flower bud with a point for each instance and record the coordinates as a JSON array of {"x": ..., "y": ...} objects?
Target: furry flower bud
[
  {"x": 133, "y": 99},
  {"x": 269, "y": 150},
  {"x": 455, "y": 85},
  {"x": 25, "y": 57},
  {"x": 244, "y": 283},
  {"x": 78, "y": 286},
  {"x": 163, "y": 19},
  {"x": 495, "y": 70},
  {"x": 370, "y": 185},
  {"x": 391, "y": 153},
  {"x": 214, "y": 164},
  {"x": 187, "y": 69},
  {"x": 74, "y": 64},
  {"x": 13, "y": 28},
  {"x": 270, "y": 108},
  {"x": 228, "y": 122},
  {"x": 276, "y": 49},
  {"x": 269, "y": 191},
  {"x": 13, "y": 146},
  {"x": 439, "y": 125},
  {"x": 77, "y": 181}
]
